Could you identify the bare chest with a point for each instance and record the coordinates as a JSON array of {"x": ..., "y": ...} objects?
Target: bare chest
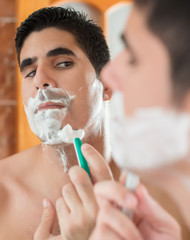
[{"x": 21, "y": 219}]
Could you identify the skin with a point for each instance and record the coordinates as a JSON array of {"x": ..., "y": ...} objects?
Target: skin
[{"x": 33, "y": 175}]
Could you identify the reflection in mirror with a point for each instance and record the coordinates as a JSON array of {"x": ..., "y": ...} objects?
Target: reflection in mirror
[{"x": 59, "y": 68}]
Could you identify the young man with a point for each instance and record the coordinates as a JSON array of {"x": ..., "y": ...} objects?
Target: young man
[
  {"x": 133, "y": 73},
  {"x": 60, "y": 54}
]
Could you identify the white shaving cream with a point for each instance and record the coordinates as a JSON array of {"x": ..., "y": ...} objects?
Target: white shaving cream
[
  {"x": 67, "y": 134},
  {"x": 46, "y": 124},
  {"x": 150, "y": 138}
]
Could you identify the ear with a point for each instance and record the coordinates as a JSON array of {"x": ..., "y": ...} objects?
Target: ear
[{"x": 107, "y": 94}]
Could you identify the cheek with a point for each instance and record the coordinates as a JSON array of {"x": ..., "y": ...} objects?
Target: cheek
[
  {"x": 144, "y": 88},
  {"x": 73, "y": 81},
  {"x": 90, "y": 96}
]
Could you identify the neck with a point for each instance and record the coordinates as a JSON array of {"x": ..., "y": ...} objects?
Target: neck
[
  {"x": 50, "y": 162},
  {"x": 63, "y": 156},
  {"x": 49, "y": 168}
]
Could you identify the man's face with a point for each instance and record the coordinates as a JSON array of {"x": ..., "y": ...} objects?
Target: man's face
[
  {"x": 148, "y": 132},
  {"x": 53, "y": 58},
  {"x": 142, "y": 70}
]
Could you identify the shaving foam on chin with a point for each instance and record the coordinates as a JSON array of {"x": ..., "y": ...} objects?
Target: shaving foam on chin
[
  {"x": 46, "y": 124},
  {"x": 151, "y": 138}
]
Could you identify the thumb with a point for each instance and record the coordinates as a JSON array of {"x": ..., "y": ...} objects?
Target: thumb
[{"x": 44, "y": 229}]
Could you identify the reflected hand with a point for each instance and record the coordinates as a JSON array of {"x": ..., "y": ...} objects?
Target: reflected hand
[
  {"x": 44, "y": 229},
  {"x": 77, "y": 208}
]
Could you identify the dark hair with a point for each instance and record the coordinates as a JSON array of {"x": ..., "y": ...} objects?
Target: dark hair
[
  {"x": 88, "y": 35},
  {"x": 170, "y": 21}
]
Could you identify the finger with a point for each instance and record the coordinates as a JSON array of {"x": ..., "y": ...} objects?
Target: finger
[
  {"x": 103, "y": 232},
  {"x": 98, "y": 167},
  {"x": 44, "y": 229},
  {"x": 122, "y": 178},
  {"x": 71, "y": 197},
  {"x": 154, "y": 214},
  {"x": 118, "y": 223},
  {"x": 63, "y": 213},
  {"x": 55, "y": 238},
  {"x": 115, "y": 192},
  {"x": 62, "y": 209},
  {"x": 84, "y": 187}
]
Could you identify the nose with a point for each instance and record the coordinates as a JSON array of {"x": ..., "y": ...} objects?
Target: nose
[
  {"x": 113, "y": 73},
  {"x": 44, "y": 78},
  {"x": 110, "y": 76}
]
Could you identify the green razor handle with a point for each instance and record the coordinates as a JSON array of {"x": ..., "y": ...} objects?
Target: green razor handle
[{"x": 81, "y": 160}]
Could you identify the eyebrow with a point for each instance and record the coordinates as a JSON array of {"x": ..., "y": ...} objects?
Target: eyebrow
[
  {"x": 60, "y": 51},
  {"x": 27, "y": 62},
  {"x": 52, "y": 53}
]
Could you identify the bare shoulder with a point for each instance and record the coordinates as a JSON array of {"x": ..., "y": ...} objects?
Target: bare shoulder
[
  {"x": 12, "y": 169},
  {"x": 5, "y": 175}
]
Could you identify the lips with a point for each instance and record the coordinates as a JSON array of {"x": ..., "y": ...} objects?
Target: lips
[{"x": 50, "y": 105}]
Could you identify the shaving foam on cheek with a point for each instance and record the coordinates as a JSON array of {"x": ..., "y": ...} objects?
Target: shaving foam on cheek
[
  {"x": 96, "y": 106},
  {"x": 47, "y": 123},
  {"x": 151, "y": 138}
]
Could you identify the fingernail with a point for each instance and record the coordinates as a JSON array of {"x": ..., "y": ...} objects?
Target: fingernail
[
  {"x": 46, "y": 203},
  {"x": 130, "y": 201}
]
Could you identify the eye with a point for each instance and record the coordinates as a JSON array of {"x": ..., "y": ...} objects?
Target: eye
[
  {"x": 31, "y": 74},
  {"x": 65, "y": 64}
]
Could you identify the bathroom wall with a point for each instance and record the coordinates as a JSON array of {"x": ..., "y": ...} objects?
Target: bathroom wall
[{"x": 7, "y": 78}]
